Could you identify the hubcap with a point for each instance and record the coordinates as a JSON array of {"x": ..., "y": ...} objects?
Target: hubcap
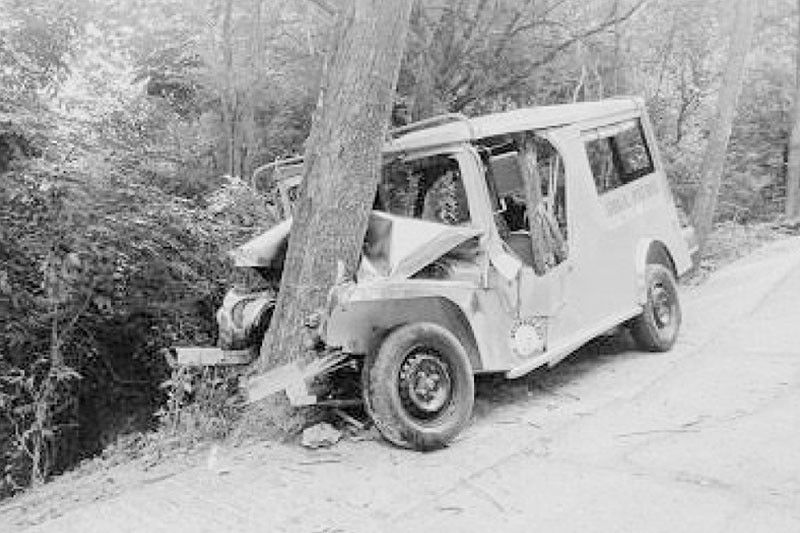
[
  {"x": 662, "y": 305},
  {"x": 425, "y": 385}
]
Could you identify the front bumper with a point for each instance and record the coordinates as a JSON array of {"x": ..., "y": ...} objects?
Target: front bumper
[{"x": 207, "y": 356}]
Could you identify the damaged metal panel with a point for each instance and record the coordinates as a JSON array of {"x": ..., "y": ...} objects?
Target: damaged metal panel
[
  {"x": 364, "y": 313},
  {"x": 193, "y": 356},
  {"x": 294, "y": 379},
  {"x": 400, "y": 245},
  {"x": 266, "y": 250}
]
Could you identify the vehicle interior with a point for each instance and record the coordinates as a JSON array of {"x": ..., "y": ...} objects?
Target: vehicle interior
[
  {"x": 525, "y": 175},
  {"x": 428, "y": 188}
]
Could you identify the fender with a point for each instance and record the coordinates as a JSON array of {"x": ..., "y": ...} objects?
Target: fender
[{"x": 359, "y": 326}]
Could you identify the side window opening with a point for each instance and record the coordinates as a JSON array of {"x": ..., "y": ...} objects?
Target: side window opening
[
  {"x": 429, "y": 188},
  {"x": 618, "y": 155},
  {"x": 604, "y": 170},
  {"x": 527, "y": 174}
]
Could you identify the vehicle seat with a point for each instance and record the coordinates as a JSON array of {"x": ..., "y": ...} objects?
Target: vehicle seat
[{"x": 520, "y": 242}]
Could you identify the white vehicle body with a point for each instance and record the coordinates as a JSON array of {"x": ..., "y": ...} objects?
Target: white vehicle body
[{"x": 602, "y": 196}]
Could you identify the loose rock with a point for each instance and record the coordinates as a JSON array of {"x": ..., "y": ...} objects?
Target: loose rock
[{"x": 322, "y": 435}]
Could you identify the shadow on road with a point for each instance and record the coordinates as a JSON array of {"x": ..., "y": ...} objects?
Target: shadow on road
[{"x": 493, "y": 391}]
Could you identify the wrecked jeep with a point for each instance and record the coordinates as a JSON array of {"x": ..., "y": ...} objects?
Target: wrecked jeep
[{"x": 497, "y": 244}]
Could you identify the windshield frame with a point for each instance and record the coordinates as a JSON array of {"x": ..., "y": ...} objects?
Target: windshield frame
[{"x": 466, "y": 168}]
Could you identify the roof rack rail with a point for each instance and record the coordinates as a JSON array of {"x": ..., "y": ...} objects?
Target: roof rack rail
[
  {"x": 274, "y": 166},
  {"x": 429, "y": 123},
  {"x": 290, "y": 160}
]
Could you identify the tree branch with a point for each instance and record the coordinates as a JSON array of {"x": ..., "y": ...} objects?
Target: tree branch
[
  {"x": 549, "y": 56},
  {"x": 67, "y": 330},
  {"x": 326, "y": 6}
]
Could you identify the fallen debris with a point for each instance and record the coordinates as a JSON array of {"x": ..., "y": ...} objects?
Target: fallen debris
[
  {"x": 293, "y": 378},
  {"x": 214, "y": 464},
  {"x": 367, "y": 435},
  {"x": 322, "y": 435},
  {"x": 790, "y": 226},
  {"x": 656, "y": 431},
  {"x": 323, "y": 461},
  {"x": 354, "y": 422}
]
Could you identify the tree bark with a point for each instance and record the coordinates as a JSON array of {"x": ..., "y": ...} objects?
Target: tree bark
[
  {"x": 342, "y": 166},
  {"x": 705, "y": 202},
  {"x": 792, "y": 208},
  {"x": 527, "y": 161},
  {"x": 423, "y": 92},
  {"x": 228, "y": 93}
]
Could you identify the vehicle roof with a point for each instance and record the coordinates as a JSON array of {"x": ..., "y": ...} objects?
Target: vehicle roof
[{"x": 531, "y": 118}]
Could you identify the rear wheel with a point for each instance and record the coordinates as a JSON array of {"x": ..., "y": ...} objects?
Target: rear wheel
[
  {"x": 656, "y": 329},
  {"x": 418, "y": 388}
]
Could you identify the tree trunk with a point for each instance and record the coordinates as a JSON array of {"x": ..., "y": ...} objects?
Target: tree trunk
[
  {"x": 705, "y": 202},
  {"x": 527, "y": 161},
  {"x": 342, "y": 166},
  {"x": 248, "y": 127},
  {"x": 422, "y": 105},
  {"x": 228, "y": 94},
  {"x": 792, "y": 208}
]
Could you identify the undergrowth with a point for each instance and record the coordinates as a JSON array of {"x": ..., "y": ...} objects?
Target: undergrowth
[
  {"x": 201, "y": 404},
  {"x": 205, "y": 406},
  {"x": 731, "y": 241}
]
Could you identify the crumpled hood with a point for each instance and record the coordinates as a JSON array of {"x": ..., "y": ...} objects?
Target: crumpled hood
[
  {"x": 267, "y": 250},
  {"x": 394, "y": 247}
]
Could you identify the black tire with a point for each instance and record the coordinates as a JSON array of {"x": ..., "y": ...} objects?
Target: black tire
[
  {"x": 429, "y": 415},
  {"x": 656, "y": 329}
]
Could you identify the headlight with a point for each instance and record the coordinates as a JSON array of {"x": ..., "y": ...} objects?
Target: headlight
[{"x": 243, "y": 318}]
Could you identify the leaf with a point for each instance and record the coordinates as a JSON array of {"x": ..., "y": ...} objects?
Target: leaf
[
  {"x": 103, "y": 303},
  {"x": 5, "y": 285},
  {"x": 23, "y": 410},
  {"x": 66, "y": 373}
]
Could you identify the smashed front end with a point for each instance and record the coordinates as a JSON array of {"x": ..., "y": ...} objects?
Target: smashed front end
[
  {"x": 245, "y": 313},
  {"x": 419, "y": 232}
]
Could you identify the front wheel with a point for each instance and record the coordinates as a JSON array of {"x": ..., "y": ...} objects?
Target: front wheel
[
  {"x": 418, "y": 387},
  {"x": 656, "y": 329}
]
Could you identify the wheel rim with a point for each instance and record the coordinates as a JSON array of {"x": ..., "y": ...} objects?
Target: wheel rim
[
  {"x": 425, "y": 384},
  {"x": 663, "y": 308}
]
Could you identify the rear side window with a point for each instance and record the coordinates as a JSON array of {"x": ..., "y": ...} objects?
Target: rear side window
[{"x": 618, "y": 155}]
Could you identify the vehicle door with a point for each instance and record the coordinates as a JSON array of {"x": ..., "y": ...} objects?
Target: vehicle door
[
  {"x": 599, "y": 292},
  {"x": 533, "y": 219},
  {"x": 577, "y": 290}
]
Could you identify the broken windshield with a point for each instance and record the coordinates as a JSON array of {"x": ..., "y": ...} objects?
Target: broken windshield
[{"x": 428, "y": 188}]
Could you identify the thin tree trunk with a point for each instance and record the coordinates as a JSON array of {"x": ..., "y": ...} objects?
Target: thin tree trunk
[
  {"x": 249, "y": 144},
  {"x": 423, "y": 91},
  {"x": 792, "y": 208},
  {"x": 705, "y": 202},
  {"x": 229, "y": 97},
  {"x": 529, "y": 169},
  {"x": 342, "y": 166},
  {"x": 42, "y": 412},
  {"x": 667, "y": 52},
  {"x": 616, "y": 60}
]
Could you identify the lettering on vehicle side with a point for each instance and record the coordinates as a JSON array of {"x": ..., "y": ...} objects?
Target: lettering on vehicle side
[{"x": 627, "y": 202}]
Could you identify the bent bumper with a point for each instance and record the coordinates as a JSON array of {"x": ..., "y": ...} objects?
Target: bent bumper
[{"x": 207, "y": 356}]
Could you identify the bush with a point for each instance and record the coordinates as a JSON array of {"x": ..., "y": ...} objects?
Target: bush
[{"x": 100, "y": 272}]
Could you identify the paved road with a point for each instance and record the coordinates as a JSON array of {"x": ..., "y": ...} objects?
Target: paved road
[{"x": 705, "y": 438}]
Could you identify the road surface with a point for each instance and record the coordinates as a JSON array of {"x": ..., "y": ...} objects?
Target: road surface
[{"x": 705, "y": 438}]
